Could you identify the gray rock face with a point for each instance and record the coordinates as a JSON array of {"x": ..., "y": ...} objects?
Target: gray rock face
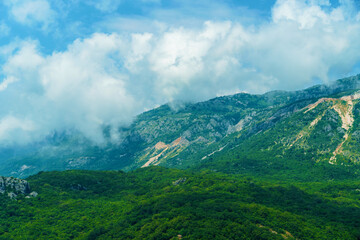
[
  {"x": 179, "y": 181},
  {"x": 12, "y": 195},
  {"x": 14, "y": 185},
  {"x": 33, "y": 194}
]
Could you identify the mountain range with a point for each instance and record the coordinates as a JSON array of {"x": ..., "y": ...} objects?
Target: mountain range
[
  {"x": 317, "y": 125},
  {"x": 280, "y": 165}
]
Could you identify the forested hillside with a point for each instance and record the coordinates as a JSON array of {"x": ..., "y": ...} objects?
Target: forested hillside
[{"x": 159, "y": 203}]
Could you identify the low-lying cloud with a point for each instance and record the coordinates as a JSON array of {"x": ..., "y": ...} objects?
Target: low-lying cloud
[{"x": 107, "y": 79}]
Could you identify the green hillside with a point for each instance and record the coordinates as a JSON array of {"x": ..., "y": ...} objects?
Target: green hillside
[
  {"x": 159, "y": 203},
  {"x": 310, "y": 144}
]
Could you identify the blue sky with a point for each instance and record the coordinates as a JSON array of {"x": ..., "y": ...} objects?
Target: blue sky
[
  {"x": 83, "y": 64},
  {"x": 67, "y": 20},
  {"x": 63, "y": 21}
]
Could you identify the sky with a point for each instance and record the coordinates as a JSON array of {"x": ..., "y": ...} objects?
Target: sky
[{"x": 86, "y": 64}]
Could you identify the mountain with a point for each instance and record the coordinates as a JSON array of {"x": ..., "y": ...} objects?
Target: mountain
[
  {"x": 281, "y": 165},
  {"x": 315, "y": 127}
]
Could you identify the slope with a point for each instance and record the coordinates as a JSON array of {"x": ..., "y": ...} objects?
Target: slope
[
  {"x": 159, "y": 203},
  {"x": 195, "y": 133}
]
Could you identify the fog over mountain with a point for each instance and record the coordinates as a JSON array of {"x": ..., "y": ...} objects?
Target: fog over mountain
[{"x": 123, "y": 65}]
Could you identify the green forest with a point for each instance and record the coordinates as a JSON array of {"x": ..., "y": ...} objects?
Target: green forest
[{"x": 159, "y": 203}]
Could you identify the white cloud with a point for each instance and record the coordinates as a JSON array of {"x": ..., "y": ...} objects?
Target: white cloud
[
  {"x": 25, "y": 59},
  {"x": 306, "y": 42},
  {"x": 30, "y": 12},
  {"x": 306, "y": 15},
  {"x": 14, "y": 128},
  {"x": 4, "y": 84},
  {"x": 86, "y": 82},
  {"x": 180, "y": 56},
  {"x": 106, "y": 79}
]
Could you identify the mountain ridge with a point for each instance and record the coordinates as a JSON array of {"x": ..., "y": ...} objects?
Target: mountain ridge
[{"x": 200, "y": 126}]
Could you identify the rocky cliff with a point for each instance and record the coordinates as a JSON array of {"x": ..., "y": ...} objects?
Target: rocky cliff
[{"x": 15, "y": 186}]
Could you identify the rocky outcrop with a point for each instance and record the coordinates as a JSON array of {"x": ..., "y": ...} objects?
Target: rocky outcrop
[
  {"x": 179, "y": 181},
  {"x": 32, "y": 195},
  {"x": 15, "y": 186}
]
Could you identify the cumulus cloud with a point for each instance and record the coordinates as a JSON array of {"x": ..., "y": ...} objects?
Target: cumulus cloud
[
  {"x": 30, "y": 12},
  {"x": 81, "y": 88},
  {"x": 311, "y": 41},
  {"x": 106, "y": 79}
]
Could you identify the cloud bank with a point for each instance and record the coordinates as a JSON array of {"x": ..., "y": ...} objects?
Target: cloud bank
[{"x": 108, "y": 78}]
